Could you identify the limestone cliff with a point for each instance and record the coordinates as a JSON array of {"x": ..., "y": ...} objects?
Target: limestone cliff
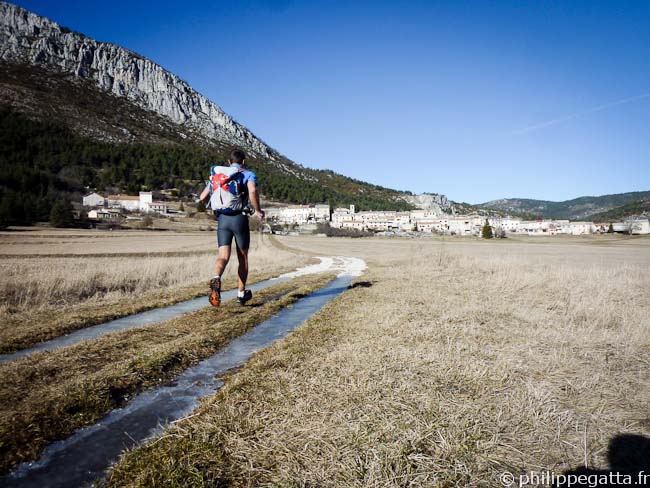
[{"x": 31, "y": 39}]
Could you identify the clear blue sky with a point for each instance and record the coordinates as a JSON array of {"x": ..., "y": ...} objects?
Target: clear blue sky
[{"x": 476, "y": 100}]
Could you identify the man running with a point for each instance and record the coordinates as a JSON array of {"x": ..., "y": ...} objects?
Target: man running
[{"x": 231, "y": 189}]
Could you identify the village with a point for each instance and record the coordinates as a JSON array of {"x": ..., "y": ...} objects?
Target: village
[
  {"x": 431, "y": 222},
  {"x": 305, "y": 218}
]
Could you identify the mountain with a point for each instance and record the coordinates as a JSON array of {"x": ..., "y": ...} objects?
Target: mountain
[
  {"x": 636, "y": 208},
  {"x": 622, "y": 204},
  {"x": 27, "y": 38},
  {"x": 78, "y": 113}
]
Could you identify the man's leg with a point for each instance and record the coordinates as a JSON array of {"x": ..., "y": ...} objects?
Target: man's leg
[
  {"x": 242, "y": 271},
  {"x": 222, "y": 260},
  {"x": 224, "y": 240},
  {"x": 243, "y": 241}
]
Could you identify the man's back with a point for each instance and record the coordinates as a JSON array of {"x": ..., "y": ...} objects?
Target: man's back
[{"x": 229, "y": 188}]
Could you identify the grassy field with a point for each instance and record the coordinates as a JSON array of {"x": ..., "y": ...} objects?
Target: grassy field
[
  {"x": 45, "y": 396},
  {"x": 455, "y": 361},
  {"x": 56, "y": 281}
]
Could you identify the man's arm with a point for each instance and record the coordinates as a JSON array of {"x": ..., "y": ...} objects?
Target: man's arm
[
  {"x": 254, "y": 197},
  {"x": 205, "y": 193}
]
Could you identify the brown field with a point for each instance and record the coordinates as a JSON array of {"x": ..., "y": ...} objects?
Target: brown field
[
  {"x": 28, "y": 241},
  {"x": 55, "y": 281},
  {"x": 45, "y": 396},
  {"x": 456, "y": 361}
]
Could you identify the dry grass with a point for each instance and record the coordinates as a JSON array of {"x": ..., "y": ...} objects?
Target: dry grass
[
  {"x": 47, "y": 395},
  {"x": 58, "y": 281},
  {"x": 48, "y": 241},
  {"x": 44, "y": 297},
  {"x": 458, "y": 363}
]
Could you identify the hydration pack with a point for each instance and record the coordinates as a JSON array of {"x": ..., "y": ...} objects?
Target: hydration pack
[{"x": 228, "y": 191}]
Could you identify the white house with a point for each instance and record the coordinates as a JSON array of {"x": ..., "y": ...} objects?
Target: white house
[
  {"x": 534, "y": 227},
  {"x": 93, "y": 200},
  {"x": 621, "y": 227},
  {"x": 142, "y": 203},
  {"x": 639, "y": 226},
  {"x": 462, "y": 226},
  {"x": 146, "y": 199},
  {"x": 158, "y": 207},
  {"x": 581, "y": 228},
  {"x": 321, "y": 212},
  {"x": 422, "y": 225},
  {"x": 299, "y": 214},
  {"x": 555, "y": 227},
  {"x": 417, "y": 215},
  {"x": 373, "y": 220},
  {"x": 102, "y": 214},
  {"x": 506, "y": 224},
  {"x": 126, "y": 202},
  {"x": 342, "y": 214},
  {"x": 351, "y": 224}
]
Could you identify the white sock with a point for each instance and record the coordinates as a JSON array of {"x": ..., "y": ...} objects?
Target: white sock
[
  {"x": 240, "y": 294},
  {"x": 217, "y": 278}
]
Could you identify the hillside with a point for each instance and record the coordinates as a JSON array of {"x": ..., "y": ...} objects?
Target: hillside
[
  {"x": 41, "y": 162},
  {"x": 575, "y": 209},
  {"x": 636, "y": 208},
  {"x": 78, "y": 114}
]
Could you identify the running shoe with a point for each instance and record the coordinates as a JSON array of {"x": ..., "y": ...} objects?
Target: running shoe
[
  {"x": 215, "y": 292},
  {"x": 247, "y": 296}
]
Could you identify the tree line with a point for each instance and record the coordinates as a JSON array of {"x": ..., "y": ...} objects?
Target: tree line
[{"x": 42, "y": 163}]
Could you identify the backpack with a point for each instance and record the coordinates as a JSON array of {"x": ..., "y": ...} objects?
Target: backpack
[{"x": 228, "y": 191}]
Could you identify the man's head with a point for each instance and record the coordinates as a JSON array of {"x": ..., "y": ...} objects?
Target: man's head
[{"x": 237, "y": 156}]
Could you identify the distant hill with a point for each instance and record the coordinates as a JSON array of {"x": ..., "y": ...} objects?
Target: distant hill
[
  {"x": 636, "y": 208},
  {"x": 578, "y": 208}
]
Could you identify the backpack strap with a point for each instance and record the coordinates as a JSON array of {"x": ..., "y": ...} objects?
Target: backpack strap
[{"x": 230, "y": 178}]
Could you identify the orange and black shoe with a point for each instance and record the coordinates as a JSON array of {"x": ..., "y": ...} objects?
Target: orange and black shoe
[{"x": 215, "y": 292}]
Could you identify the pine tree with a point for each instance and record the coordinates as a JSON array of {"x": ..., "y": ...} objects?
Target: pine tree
[
  {"x": 200, "y": 207},
  {"x": 486, "y": 233},
  {"x": 61, "y": 214},
  {"x": 181, "y": 207},
  {"x": 610, "y": 229}
]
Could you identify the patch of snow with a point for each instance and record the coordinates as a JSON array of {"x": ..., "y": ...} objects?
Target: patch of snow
[{"x": 346, "y": 266}]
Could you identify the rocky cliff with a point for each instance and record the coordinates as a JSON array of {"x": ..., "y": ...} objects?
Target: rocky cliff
[
  {"x": 430, "y": 201},
  {"x": 31, "y": 39}
]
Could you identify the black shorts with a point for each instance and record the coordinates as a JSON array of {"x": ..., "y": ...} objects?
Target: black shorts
[{"x": 233, "y": 226}]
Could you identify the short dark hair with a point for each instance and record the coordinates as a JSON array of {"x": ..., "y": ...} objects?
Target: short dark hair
[{"x": 237, "y": 156}]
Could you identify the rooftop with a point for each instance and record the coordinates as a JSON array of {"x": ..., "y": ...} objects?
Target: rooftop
[{"x": 122, "y": 197}]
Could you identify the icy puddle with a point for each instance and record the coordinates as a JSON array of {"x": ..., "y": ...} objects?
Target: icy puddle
[
  {"x": 341, "y": 264},
  {"x": 85, "y": 456}
]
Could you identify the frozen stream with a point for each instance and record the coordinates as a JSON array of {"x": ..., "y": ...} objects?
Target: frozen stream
[
  {"x": 156, "y": 315},
  {"x": 85, "y": 456}
]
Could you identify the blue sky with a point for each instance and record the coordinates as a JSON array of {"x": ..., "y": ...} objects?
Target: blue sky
[{"x": 477, "y": 100}]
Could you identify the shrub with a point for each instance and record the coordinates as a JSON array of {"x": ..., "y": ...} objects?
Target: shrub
[
  {"x": 61, "y": 214},
  {"x": 324, "y": 228},
  {"x": 487, "y": 233}
]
